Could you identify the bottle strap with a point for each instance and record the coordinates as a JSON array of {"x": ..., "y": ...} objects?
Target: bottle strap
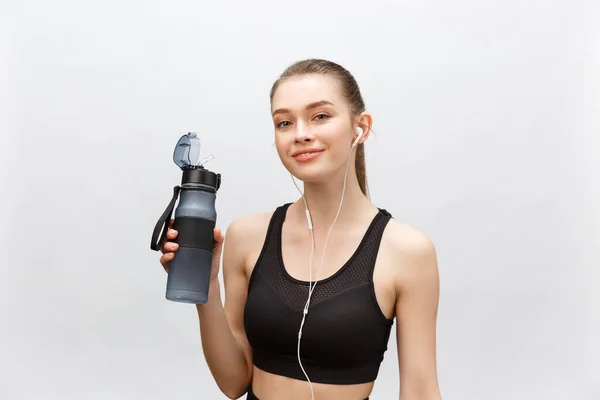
[{"x": 164, "y": 222}]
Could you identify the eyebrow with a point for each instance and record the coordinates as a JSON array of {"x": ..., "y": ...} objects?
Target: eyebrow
[{"x": 308, "y": 107}]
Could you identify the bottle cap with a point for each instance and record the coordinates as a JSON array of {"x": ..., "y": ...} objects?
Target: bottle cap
[
  {"x": 186, "y": 155},
  {"x": 187, "y": 151},
  {"x": 202, "y": 176}
]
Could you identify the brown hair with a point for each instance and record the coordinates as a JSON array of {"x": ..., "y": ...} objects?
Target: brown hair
[{"x": 350, "y": 90}]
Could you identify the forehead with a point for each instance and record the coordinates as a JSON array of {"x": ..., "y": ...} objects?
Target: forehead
[{"x": 297, "y": 92}]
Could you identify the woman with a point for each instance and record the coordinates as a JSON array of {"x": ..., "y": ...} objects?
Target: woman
[{"x": 269, "y": 340}]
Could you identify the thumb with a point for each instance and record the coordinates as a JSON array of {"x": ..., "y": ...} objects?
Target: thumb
[{"x": 218, "y": 237}]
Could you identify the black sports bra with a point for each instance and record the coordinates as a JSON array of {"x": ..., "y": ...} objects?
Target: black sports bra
[{"x": 345, "y": 333}]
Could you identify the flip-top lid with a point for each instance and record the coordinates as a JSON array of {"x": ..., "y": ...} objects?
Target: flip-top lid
[{"x": 187, "y": 151}]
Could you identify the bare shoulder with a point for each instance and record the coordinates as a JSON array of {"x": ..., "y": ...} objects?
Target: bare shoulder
[
  {"x": 406, "y": 240},
  {"x": 250, "y": 224},
  {"x": 245, "y": 237},
  {"x": 414, "y": 252}
]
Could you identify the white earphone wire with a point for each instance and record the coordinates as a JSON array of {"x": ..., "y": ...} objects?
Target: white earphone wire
[{"x": 310, "y": 282}]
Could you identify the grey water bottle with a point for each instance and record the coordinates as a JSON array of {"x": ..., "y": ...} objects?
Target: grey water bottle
[{"x": 195, "y": 217}]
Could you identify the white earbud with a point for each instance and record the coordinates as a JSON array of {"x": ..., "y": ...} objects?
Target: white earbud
[{"x": 360, "y": 133}]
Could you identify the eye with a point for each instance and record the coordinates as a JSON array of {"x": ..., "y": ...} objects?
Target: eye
[
  {"x": 283, "y": 124},
  {"x": 321, "y": 116}
]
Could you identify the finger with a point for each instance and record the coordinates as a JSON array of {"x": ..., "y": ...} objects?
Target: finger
[
  {"x": 169, "y": 247},
  {"x": 171, "y": 222},
  {"x": 165, "y": 259},
  {"x": 218, "y": 236},
  {"x": 165, "y": 266},
  {"x": 172, "y": 234}
]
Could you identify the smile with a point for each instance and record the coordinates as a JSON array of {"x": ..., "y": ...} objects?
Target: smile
[{"x": 307, "y": 155}]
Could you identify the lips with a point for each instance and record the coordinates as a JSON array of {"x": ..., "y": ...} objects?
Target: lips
[{"x": 306, "y": 154}]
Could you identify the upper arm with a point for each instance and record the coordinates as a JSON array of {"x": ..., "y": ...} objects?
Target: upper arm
[
  {"x": 417, "y": 291},
  {"x": 235, "y": 282},
  {"x": 243, "y": 242}
]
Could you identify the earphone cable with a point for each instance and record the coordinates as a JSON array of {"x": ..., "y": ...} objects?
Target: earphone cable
[{"x": 310, "y": 282}]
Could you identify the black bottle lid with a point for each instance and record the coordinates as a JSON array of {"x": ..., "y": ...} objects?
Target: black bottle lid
[
  {"x": 202, "y": 176},
  {"x": 185, "y": 156}
]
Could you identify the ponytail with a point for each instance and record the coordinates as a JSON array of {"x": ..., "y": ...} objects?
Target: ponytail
[{"x": 361, "y": 169}]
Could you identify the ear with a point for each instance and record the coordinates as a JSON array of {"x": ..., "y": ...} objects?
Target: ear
[{"x": 364, "y": 121}]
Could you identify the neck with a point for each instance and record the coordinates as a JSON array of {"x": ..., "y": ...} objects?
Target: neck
[{"x": 323, "y": 200}]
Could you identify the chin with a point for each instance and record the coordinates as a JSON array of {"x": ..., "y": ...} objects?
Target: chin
[
  {"x": 310, "y": 173},
  {"x": 310, "y": 178}
]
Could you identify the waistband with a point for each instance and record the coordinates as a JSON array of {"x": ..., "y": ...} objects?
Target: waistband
[{"x": 252, "y": 396}]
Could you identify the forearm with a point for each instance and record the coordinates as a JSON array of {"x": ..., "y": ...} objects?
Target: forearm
[
  {"x": 434, "y": 396},
  {"x": 223, "y": 353},
  {"x": 432, "y": 393}
]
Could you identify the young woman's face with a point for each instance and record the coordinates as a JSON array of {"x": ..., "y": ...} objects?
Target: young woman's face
[{"x": 313, "y": 127}]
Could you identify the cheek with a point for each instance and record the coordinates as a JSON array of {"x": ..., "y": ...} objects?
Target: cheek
[
  {"x": 282, "y": 146},
  {"x": 337, "y": 138},
  {"x": 335, "y": 131}
]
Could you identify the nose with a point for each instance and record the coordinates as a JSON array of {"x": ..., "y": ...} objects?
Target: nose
[{"x": 303, "y": 134}]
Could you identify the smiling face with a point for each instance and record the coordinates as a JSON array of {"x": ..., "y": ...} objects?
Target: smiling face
[{"x": 314, "y": 127}]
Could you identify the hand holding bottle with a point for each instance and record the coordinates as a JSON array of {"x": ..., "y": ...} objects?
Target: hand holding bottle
[{"x": 170, "y": 247}]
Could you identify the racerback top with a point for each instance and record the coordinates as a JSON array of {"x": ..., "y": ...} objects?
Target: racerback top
[{"x": 345, "y": 334}]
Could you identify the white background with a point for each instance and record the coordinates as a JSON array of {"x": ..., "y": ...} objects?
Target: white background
[{"x": 486, "y": 138}]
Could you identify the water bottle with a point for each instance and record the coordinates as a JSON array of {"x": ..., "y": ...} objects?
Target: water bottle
[{"x": 188, "y": 278}]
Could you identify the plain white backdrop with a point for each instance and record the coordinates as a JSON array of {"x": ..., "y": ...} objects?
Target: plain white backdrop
[{"x": 486, "y": 139}]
